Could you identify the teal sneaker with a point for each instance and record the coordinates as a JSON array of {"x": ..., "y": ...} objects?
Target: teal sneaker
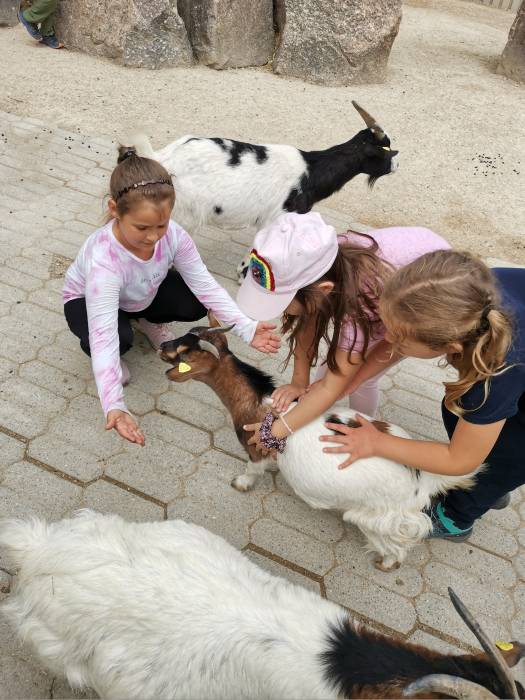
[{"x": 444, "y": 527}]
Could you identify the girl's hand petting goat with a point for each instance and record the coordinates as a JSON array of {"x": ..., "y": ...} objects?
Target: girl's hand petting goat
[
  {"x": 283, "y": 396},
  {"x": 363, "y": 443}
]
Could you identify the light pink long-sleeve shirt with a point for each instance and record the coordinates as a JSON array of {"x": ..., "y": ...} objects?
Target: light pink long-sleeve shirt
[
  {"x": 399, "y": 246},
  {"x": 110, "y": 277}
]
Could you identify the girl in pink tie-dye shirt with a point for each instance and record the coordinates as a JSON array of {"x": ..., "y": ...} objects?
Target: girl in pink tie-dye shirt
[{"x": 141, "y": 265}]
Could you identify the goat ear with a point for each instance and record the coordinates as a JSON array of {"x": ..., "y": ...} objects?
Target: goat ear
[{"x": 512, "y": 652}]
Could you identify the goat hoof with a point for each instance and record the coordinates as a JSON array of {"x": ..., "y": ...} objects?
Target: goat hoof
[
  {"x": 242, "y": 483},
  {"x": 384, "y": 565}
]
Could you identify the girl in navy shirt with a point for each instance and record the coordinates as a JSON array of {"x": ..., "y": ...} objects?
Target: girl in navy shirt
[{"x": 450, "y": 304}]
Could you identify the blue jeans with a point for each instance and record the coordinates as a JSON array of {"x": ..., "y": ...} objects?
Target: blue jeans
[{"x": 504, "y": 471}]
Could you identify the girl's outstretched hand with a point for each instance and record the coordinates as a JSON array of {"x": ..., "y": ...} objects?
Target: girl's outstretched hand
[
  {"x": 358, "y": 442},
  {"x": 125, "y": 425},
  {"x": 284, "y": 395},
  {"x": 264, "y": 340}
]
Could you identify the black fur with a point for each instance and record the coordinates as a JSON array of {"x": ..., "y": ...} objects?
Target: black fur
[
  {"x": 329, "y": 170},
  {"x": 236, "y": 149},
  {"x": 259, "y": 381},
  {"x": 355, "y": 660}
]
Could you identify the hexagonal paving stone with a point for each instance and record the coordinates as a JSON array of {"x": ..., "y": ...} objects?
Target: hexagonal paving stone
[
  {"x": 108, "y": 498},
  {"x": 27, "y": 488},
  {"x": 485, "y": 567},
  {"x": 476, "y": 595},
  {"x": 225, "y": 467},
  {"x": 370, "y": 600},
  {"x": 11, "y": 451},
  {"x": 437, "y": 612},
  {"x": 136, "y": 400},
  {"x": 272, "y": 567},
  {"x": 292, "y": 546},
  {"x": 226, "y": 439},
  {"x": 191, "y": 411},
  {"x": 68, "y": 458},
  {"x": 352, "y": 553},
  {"x": 62, "y": 383},
  {"x": 290, "y": 510},
  {"x": 157, "y": 469},
  {"x": 197, "y": 391},
  {"x": 435, "y": 643},
  {"x": 215, "y": 505},
  {"x": 494, "y": 539},
  {"x": 171, "y": 430}
]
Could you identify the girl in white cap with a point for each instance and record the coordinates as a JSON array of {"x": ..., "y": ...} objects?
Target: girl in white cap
[{"x": 327, "y": 287}]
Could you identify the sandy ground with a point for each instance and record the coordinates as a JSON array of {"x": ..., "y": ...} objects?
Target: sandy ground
[{"x": 460, "y": 128}]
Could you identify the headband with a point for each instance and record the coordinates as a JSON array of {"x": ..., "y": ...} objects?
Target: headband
[{"x": 144, "y": 183}]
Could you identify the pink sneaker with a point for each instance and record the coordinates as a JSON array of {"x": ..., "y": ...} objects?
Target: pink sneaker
[
  {"x": 156, "y": 333},
  {"x": 126, "y": 374}
]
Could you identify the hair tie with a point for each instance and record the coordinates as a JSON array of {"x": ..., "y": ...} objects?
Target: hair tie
[
  {"x": 484, "y": 324},
  {"x": 144, "y": 183},
  {"x": 127, "y": 154}
]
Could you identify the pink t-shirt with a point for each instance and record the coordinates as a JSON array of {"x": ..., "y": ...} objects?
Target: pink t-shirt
[
  {"x": 110, "y": 277},
  {"x": 399, "y": 246}
]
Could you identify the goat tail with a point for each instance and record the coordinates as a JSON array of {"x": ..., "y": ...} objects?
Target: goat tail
[
  {"x": 22, "y": 537},
  {"x": 141, "y": 143}
]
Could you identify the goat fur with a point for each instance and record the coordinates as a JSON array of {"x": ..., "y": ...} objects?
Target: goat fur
[{"x": 168, "y": 610}]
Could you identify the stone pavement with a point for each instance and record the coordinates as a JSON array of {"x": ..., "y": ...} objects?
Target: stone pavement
[{"x": 55, "y": 456}]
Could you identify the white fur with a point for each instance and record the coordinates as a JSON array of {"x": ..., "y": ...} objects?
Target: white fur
[
  {"x": 163, "y": 610},
  {"x": 383, "y": 498},
  {"x": 249, "y": 194}
]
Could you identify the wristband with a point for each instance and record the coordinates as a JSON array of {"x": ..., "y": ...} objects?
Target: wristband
[
  {"x": 267, "y": 439},
  {"x": 281, "y": 417}
]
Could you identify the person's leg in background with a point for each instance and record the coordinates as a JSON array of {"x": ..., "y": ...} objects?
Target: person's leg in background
[
  {"x": 42, "y": 12},
  {"x": 174, "y": 301},
  {"x": 76, "y": 316}
]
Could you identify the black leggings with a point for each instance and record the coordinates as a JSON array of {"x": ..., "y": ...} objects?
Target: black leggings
[
  {"x": 504, "y": 471},
  {"x": 174, "y": 301}
]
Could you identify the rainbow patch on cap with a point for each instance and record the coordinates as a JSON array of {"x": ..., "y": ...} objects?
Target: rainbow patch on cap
[{"x": 261, "y": 271}]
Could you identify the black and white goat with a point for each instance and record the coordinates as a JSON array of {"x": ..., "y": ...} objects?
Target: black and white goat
[
  {"x": 383, "y": 498},
  {"x": 231, "y": 184},
  {"x": 168, "y": 610}
]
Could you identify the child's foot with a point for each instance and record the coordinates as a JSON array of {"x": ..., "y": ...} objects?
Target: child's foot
[
  {"x": 52, "y": 42},
  {"x": 32, "y": 29},
  {"x": 501, "y": 503},
  {"x": 156, "y": 333},
  {"x": 444, "y": 527},
  {"x": 126, "y": 374}
]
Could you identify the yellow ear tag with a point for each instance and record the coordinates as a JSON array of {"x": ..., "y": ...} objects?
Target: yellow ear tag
[
  {"x": 385, "y": 148},
  {"x": 504, "y": 646},
  {"x": 183, "y": 367}
]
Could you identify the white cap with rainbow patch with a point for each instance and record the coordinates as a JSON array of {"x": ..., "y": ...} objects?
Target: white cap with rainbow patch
[{"x": 289, "y": 254}]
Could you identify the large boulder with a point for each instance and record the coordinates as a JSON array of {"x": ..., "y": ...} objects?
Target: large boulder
[
  {"x": 336, "y": 43},
  {"x": 143, "y": 33},
  {"x": 512, "y": 63},
  {"x": 229, "y": 33}
]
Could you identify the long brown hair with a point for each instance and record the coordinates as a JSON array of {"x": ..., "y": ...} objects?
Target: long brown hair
[
  {"x": 136, "y": 178},
  {"x": 449, "y": 297},
  {"x": 358, "y": 275}
]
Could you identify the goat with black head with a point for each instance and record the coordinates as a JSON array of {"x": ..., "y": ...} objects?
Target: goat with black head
[{"x": 231, "y": 184}]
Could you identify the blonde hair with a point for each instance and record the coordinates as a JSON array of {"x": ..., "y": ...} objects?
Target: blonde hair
[{"x": 449, "y": 297}]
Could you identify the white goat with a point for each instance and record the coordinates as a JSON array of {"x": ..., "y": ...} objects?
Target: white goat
[
  {"x": 383, "y": 498},
  {"x": 168, "y": 610},
  {"x": 232, "y": 184}
]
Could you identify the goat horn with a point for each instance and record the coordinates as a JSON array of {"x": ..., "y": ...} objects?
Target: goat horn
[
  {"x": 208, "y": 347},
  {"x": 370, "y": 121},
  {"x": 494, "y": 654},
  {"x": 220, "y": 329},
  {"x": 453, "y": 686}
]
